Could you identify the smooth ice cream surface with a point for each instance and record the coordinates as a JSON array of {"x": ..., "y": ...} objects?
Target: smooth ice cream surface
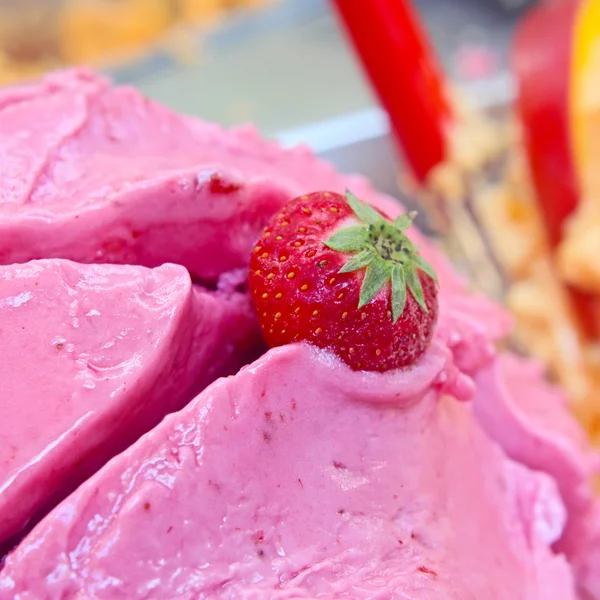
[
  {"x": 298, "y": 478},
  {"x": 93, "y": 356},
  {"x": 530, "y": 419}
]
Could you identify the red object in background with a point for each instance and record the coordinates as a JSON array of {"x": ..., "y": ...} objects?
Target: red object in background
[
  {"x": 402, "y": 68},
  {"x": 541, "y": 59}
]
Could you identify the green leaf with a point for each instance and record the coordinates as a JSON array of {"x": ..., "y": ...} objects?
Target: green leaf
[
  {"x": 398, "y": 292},
  {"x": 350, "y": 239},
  {"x": 377, "y": 275},
  {"x": 403, "y": 222},
  {"x": 362, "y": 259},
  {"x": 365, "y": 212},
  {"x": 414, "y": 285},
  {"x": 422, "y": 264}
]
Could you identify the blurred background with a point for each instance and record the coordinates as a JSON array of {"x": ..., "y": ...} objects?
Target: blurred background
[
  {"x": 283, "y": 65},
  {"x": 242, "y": 60}
]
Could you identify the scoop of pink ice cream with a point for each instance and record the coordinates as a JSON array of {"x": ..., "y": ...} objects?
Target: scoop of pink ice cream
[
  {"x": 93, "y": 356},
  {"x": 530, "y": 419},
  {"x": 299, "y": 478}
]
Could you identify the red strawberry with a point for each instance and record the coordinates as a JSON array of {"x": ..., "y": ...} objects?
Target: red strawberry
[{"x": 336, "y": 273}]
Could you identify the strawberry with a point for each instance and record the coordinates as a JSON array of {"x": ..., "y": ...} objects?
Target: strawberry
[{"x": 334, "y": 272}]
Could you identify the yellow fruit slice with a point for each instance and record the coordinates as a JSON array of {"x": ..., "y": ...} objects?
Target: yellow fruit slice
[{"x": 584, "y": 106}]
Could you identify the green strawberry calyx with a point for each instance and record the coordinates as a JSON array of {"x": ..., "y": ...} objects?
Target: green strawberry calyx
[{"x": 385, "y": 251}]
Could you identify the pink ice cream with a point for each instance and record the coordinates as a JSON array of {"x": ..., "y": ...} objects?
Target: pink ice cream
[
  {"x": 528, "y": 417},
  {"x": 299, "y": 478},
  {"x": 102, "y": 174},
  {"x": 93, "y": 356}
]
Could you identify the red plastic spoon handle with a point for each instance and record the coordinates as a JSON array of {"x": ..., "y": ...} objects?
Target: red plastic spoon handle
[{"x": 401, "y": 65}]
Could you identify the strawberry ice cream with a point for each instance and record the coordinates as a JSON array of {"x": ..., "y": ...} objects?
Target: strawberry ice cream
[
  {"x": 297, "y": 477},
  {"x": 93, "y": 356},
  {"x": 527, "y": 416},
  {"x": 101, "y": 174}
]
